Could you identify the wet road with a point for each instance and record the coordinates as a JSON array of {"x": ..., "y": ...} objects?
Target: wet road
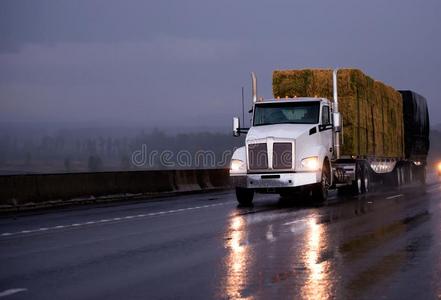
[{"x": 383, "y": 245}]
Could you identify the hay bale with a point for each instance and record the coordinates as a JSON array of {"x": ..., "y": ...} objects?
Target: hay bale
[{"x": 372, "y": 111}]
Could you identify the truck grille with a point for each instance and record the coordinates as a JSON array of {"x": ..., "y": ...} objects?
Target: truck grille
[
  {"x": 282, "y": 156},
  {"x": 258, "y": 156}
]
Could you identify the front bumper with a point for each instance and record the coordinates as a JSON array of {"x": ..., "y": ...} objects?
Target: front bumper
[{"x": 276, "y": 180}]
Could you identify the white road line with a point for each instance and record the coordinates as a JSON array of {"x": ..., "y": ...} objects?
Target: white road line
[
  {"x": 293, "y": 222},
  {"x": 109, "y": 220},
  {"x": 395, "y": 196},
  {"x": 12, "y": 292}
]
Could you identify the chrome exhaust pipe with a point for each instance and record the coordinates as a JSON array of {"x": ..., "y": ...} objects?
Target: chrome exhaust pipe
[
  {"x": 335, "y": 96},
  {"x": 334, "y": 86},
  {"x": 254, "y": 87}
]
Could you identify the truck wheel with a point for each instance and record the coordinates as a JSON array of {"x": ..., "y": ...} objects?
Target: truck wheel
[
  {"x": 393, "y": 178},
  {"x": 399, "y": 177},
  {"x": 358, "y": 182},
  {"x": 366, "y": 179},
  {"x": 320, "y": 191},
  {"x": 244, "y": 196}
]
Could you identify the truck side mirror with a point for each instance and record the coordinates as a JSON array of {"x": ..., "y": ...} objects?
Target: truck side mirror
[
  {"x": 336, "y": 118},
  {"x": 236, "y": 126}
]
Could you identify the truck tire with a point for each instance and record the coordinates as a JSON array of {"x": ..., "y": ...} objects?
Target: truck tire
[
  {"x": 320, "y": 191},
  {"x": 365, "y": 179},
  {"x": 244, "y": 196},
  {"x": 398, "y": 176},
  {"x": 358, "y": 182}
]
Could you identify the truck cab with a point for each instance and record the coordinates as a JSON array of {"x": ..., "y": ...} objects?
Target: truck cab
[{"x": 290, "y": 145}]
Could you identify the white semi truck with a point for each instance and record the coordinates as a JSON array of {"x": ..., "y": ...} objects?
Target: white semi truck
[{"x": 295, "y": 144}]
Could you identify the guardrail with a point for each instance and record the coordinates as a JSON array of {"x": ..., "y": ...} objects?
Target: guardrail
[{"x": 17, "y": 190}]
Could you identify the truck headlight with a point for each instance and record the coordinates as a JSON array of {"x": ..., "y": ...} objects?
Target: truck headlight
[
  {"x": 311, "y": 163},
  {"x": 439, "y": 167},
  {"x": 237, "y": 166}
]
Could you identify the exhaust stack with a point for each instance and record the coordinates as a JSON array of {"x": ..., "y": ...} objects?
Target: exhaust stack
[
  {"x": 337, "y": 133},
  {"x": 254, "y": 87},
  {"x": 334, "y": 86}
]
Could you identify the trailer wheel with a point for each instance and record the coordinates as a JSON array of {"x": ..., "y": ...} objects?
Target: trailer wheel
[
  {"x": 393, "y": 178},
  {"x": 399, "y": 176},
  {"x": 244, "y": 196},
  {"x": 320, "y": 191},
  {"x": 366, "y": 179},
  {"x": 358, "y": 182}
]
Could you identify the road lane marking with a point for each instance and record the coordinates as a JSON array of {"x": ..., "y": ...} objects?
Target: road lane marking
[
  {"x": 139, "y": 216},
  {"x": 12, "y": 292},
  {"x": 395, "y": 196},
  {"x": 293, "y": 222}
]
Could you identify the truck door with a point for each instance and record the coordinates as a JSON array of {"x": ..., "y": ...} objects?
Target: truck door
[{"x": 325, "y": 130}]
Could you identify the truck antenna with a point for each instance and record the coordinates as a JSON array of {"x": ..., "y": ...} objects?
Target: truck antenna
[{"x": 243, "y": 107}]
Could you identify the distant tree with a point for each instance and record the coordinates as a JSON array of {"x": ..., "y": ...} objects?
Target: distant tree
[{"x": 94, "y": 163}]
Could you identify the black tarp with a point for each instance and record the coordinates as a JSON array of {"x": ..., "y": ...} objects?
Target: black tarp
[{"x": 416, "y": 126}]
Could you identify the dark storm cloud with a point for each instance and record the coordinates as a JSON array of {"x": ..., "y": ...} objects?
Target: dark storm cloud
[{"x": 183, "y": 62}]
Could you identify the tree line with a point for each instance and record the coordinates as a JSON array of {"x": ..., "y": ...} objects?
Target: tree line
[{"x": 70, "y": 152}]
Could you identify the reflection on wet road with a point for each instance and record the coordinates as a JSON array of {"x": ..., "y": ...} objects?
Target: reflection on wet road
[
  {"x": 383, "y": 245},
  {"x": 364, "y": 247},
  {"x": 238, "y": 259}
]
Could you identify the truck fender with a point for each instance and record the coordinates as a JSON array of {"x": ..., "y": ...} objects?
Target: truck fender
[
  {"x": 240, "y": 154},
  {"x": 321, "y": 152}
]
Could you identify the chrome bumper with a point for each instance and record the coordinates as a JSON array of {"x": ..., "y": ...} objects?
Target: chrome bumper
[{"x": 275, "y": 180}]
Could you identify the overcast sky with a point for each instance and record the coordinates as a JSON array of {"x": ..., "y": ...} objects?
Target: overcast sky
[{"x": 183, "y": 62}]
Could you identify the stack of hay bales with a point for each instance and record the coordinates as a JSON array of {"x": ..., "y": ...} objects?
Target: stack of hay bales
[{"x": 372, "y": 111}]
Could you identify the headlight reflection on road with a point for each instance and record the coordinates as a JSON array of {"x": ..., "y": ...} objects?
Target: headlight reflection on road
[
  {"x": 238, "y": 259},
  {"x": 318, "y": 284}
]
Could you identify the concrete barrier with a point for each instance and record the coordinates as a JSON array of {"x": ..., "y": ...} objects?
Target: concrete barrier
[{"x": 16, "y": 190}]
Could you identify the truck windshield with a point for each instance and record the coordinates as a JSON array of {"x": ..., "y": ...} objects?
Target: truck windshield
[{"x": 286, "y": 112}]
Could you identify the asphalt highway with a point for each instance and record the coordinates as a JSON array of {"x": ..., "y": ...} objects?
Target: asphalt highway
[{"x": 384, "y": 245}]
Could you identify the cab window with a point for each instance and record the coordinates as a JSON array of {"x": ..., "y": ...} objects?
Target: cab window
[{"x": 325, "y": 116}]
